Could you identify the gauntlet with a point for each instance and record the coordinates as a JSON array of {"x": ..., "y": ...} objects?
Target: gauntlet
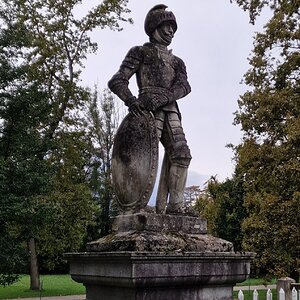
[
  {"x": 153, "y": 98},
  {"x": 134, "y": 105}
]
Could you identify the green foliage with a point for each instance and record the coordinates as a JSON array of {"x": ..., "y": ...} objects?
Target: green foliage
[
  {"x": 268, "y": 158},
  {"x": 12, "y": 255},
  {"x": 221, "y": 203},
  {"x": 24, "y": 175},
  {"x": 43, "y": 149},
  {"x": 70, "y": 199},
  {"x": 255, "y": 7},
  {"x": 272, "y": 230},
  {"x": 103, "y": 117},
  {"x": 59, "y": 42}
]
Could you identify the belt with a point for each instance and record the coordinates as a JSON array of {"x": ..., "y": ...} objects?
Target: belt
[{"x": 153, "y": 89}]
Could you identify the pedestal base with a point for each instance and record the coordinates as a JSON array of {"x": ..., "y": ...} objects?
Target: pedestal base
[
  {"x": 159, "y": 257},
  {"x": 144, "y": 232},
  {"x": 159, "y": 276}
]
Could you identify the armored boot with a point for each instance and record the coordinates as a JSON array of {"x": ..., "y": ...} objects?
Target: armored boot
[{"x": 177, "y": 181}]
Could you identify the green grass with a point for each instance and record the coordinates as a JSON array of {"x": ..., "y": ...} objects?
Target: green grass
[
  {"x": 258, "y": 281},
  {"x": 53, "y": 285},
  {"x": 248, "y": 295}
]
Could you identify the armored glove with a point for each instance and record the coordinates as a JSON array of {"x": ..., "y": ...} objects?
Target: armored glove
[
  {"x": 134, "y": 105},
  {"x": 153, "y": 98}
]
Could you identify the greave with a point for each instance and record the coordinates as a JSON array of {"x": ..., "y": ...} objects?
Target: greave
[
  {"x": 163, "y": 188},
  {"x": 177, "y": 181}
]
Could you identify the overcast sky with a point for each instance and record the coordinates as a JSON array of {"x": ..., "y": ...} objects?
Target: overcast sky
[{"x": 214, "y": 39}]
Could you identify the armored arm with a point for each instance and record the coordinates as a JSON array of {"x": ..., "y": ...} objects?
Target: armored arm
[
  {"x": 181, "y": 86},
  {"x": 118, "y": 84}
]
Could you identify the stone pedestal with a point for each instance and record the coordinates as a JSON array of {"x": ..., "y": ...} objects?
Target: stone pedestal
[
  {"x": 159, "y": 257},
  {"x": 159, "y": 233},
  {"x": 159, "y": 276}
]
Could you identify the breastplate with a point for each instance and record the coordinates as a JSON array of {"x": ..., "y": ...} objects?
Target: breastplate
[{"x": 157, "y": 71}]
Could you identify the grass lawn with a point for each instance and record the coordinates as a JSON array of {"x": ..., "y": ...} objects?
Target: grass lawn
[
  {"x": 53, "y": 285},
  {"x": 248, "y": 295},
  {"x": 258, "y": 281}
]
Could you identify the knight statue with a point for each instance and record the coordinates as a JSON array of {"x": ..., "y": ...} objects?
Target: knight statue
[{"x": 162, "y": 80}]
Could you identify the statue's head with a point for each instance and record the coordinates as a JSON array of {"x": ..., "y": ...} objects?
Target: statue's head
[{"x": 160, "y": 24}]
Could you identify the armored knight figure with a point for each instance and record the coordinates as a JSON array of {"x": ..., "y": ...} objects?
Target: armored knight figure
[{"x": 162, "y": 80}]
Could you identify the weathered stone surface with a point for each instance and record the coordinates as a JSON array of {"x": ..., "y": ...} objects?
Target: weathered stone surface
[
  {"x": 159, "y": 233},
  {"x": 135, "y": 161},
  {"x": 159, "y": 276},
  {"x": 159, "y": 257},
  {"x": 162, "y": 80},
  {"x": 159, "y": 223},
  {"x": 155, "y": 242}
]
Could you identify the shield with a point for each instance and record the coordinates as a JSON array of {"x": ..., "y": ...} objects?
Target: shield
[{"x": 135, "y": 161}]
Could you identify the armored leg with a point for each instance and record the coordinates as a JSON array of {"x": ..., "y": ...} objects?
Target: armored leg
[
  {"x": 163, "y": 187},
  {"x": 177, "y": 181},
  {"x": 174, "y": 173}
]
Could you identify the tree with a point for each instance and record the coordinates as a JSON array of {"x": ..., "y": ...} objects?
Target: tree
[
  {"x": 24, "y": 175},
  {"x": 73, "y": 208},
  {"x": 221, "y": 203},
  {"x": 268, "y": 158},
  {"x": 191, "y": 193},
  {"x": 103, "y": 115},
  {"x": 43, "y": 46}
]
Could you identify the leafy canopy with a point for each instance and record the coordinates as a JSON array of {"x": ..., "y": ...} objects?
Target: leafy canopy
[
  {"x": 269, "y": 157},
  {"x": 43, "y": 44}
]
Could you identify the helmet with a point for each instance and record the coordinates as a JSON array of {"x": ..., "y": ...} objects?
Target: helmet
[{"x": 156, "y": 16}]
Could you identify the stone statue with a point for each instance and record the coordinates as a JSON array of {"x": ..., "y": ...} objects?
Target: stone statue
[
  {"x": 162, "y": 80},
  {"x": 168, "y": 255}
]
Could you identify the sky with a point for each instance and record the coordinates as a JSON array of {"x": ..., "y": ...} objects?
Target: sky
[{"x": 214, "y": 39}]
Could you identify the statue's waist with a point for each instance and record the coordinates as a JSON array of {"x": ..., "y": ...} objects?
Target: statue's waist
[
  {"x": 153, "y": 90},
  {"x": 156, "y": 90}
]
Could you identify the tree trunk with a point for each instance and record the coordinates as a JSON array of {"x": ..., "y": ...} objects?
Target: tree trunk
[{"x": 34, "y": 269}]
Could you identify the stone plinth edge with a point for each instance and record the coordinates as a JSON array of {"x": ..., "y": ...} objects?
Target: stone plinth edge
[{"x": 149, "y": 276}]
